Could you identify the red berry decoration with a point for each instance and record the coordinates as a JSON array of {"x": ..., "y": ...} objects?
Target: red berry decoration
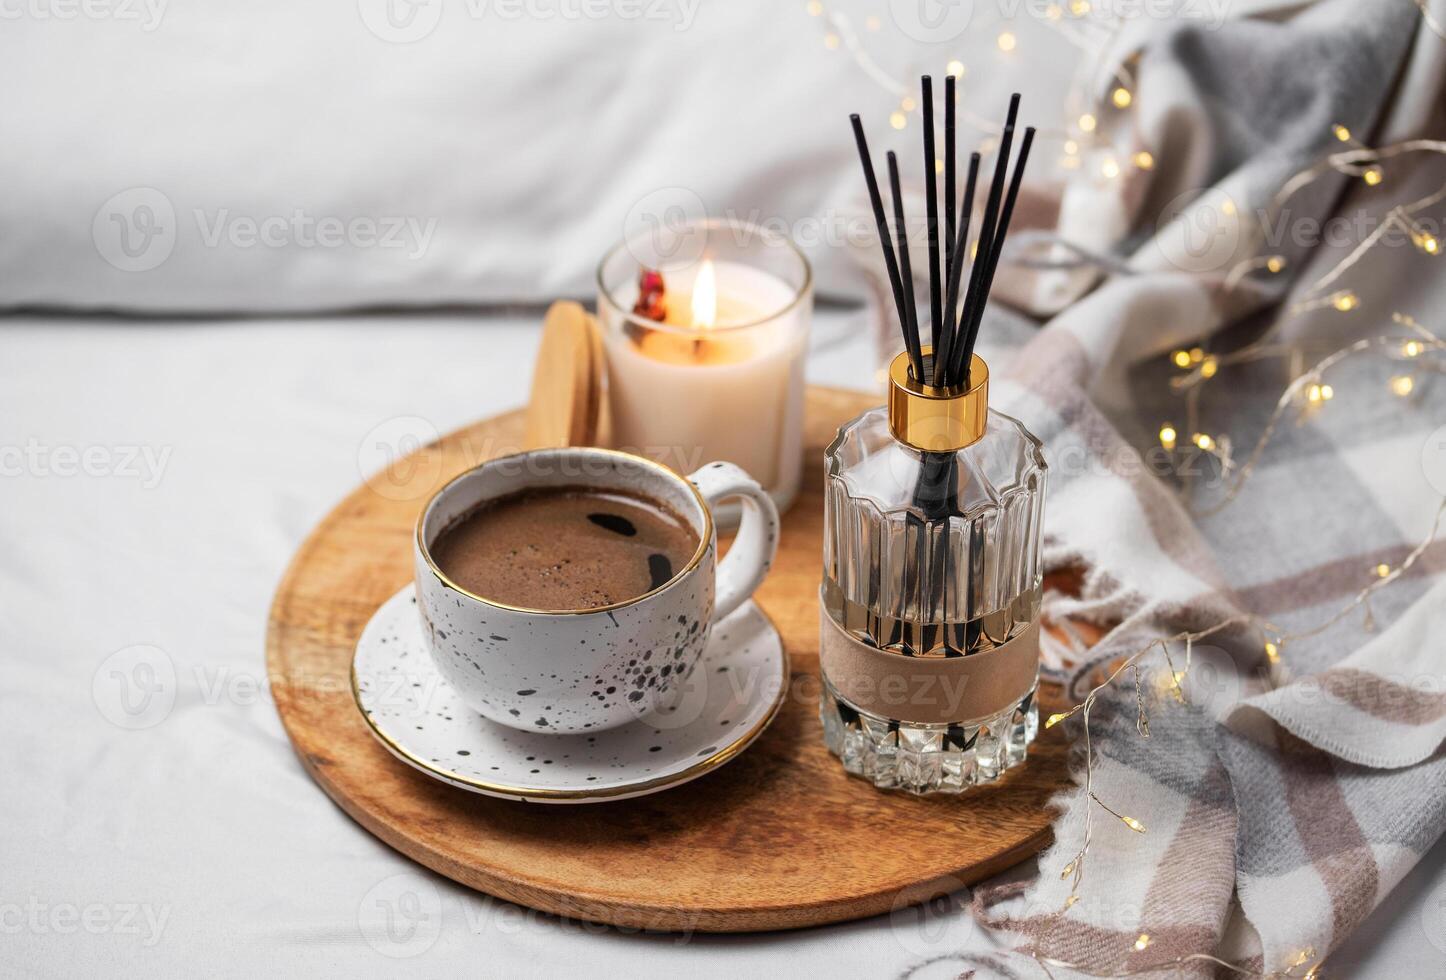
[{"x": 651, "y": 302}]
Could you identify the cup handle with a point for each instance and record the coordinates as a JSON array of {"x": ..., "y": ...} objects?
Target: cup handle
[{"x": 743, "y": 569}]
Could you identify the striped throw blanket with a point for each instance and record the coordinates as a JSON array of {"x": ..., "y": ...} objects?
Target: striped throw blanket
[{"x": 1296, "y": 706}]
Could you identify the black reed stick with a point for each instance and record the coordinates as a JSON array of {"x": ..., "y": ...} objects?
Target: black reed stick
[
  {"x": 906, "y": 269},
  {"x": 942, "y": 358},
  {"x": 931, "y": 200},
  {"x": 936, "y": 489},
  {"x": 977, "y": 314},
  {"x": 955, "y": 367},
  {"x": 910, "y": 340},
  {"x": 949, "y": 199}
]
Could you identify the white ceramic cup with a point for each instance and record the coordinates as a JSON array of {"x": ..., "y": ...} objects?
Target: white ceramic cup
[{"x": 593, "y": 669}]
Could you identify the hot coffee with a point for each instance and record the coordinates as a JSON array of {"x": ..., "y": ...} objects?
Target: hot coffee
[{"x": 565, "y": 548}]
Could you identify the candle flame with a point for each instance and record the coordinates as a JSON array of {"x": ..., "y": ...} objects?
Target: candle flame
[{"x": 705, "y": 297}]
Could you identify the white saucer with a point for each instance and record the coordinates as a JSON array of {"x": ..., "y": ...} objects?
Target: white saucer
[{"x": 725, "y": 704}]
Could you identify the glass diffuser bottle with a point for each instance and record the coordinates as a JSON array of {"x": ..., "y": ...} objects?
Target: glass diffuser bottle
[
  {"x": 931, "y": 587},
  {"x": 929, "y": 609}
]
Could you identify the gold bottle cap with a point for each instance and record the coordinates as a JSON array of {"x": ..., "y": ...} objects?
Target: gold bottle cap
[{"x": 937, "y": 419}]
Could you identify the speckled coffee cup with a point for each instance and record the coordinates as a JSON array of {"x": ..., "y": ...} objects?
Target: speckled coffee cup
[{"x": 593, "y": 669}]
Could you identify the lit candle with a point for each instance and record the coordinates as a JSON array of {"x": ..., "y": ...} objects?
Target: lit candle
[{"x": 721, "y": 377}]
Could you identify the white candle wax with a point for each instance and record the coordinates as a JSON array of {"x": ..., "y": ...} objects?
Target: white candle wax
[{"x": 687, "y": 396}]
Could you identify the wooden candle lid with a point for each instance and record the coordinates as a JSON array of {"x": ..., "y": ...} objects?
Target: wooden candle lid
[{"x": 566, "y": 397}]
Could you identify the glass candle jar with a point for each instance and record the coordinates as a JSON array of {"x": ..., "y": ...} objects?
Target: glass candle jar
[
  {"x": 720, "y": 377},
  {"x": 933, "y": 509}
]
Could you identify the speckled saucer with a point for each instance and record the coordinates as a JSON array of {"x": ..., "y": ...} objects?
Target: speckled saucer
[{"x": 726, "y": 702}]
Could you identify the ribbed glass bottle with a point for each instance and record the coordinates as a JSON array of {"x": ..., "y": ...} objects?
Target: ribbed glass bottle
[{"x": 931, "y": 555}]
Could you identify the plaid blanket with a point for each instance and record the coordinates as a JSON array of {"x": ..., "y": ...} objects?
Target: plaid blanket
[{"x": 1294, "y": 773}]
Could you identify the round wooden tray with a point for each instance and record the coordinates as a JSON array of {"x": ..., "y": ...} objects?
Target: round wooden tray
[{"x": 779, "y": 838}]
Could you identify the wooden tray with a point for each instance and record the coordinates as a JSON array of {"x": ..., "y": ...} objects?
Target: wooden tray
[{"x": 777, "y": 839}]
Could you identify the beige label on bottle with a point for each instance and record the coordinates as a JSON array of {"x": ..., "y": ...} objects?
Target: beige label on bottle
[{"x": 928, "y": 690}]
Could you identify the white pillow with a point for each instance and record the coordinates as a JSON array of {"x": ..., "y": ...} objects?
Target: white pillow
[{"x": 197, "y": 156}]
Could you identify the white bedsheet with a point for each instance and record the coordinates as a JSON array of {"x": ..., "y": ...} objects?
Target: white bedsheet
[{"x": 157, "y": 477}]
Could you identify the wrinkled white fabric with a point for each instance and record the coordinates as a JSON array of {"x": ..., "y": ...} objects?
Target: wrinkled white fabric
[{"x": 205, "y": 821}]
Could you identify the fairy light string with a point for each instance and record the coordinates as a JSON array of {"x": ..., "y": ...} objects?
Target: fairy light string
[
  {"x": 1309, "y": 391},
  {"x": 1076, "y": 22},
  {"x": 1273, "y": 639}
]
